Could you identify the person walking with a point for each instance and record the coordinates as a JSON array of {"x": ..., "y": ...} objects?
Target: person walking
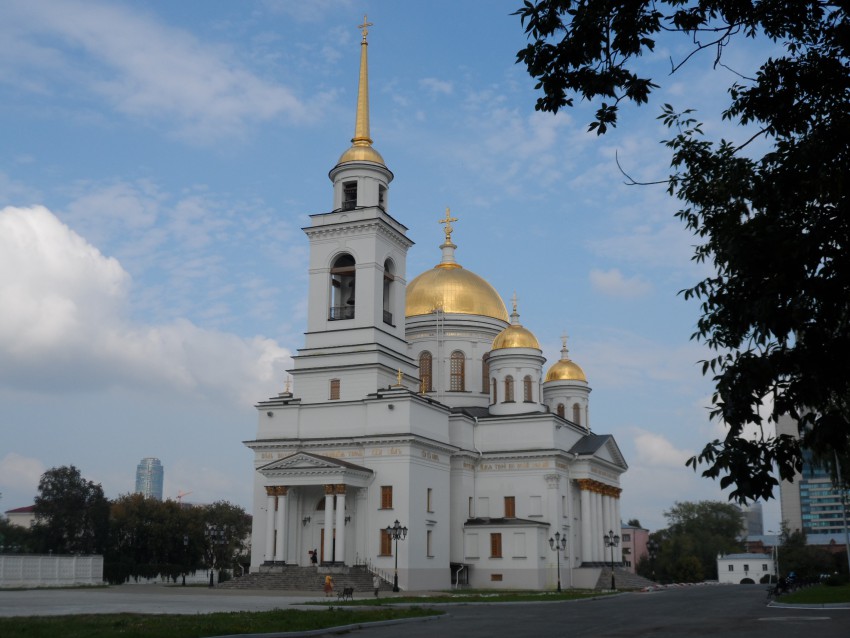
[
  {"x": 329, "y": 585},
  {"x": 376, "y": 584}
]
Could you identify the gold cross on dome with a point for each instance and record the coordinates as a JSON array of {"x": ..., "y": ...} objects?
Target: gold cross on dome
[
  {"x": 564, "y": 339},
  {"x": 365, "y": 26},
  {"x": 448, "y": 222},
  {"x": 514, "y": 299}
]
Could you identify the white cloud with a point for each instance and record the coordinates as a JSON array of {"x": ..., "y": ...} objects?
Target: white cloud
[
  {"x": 65, "y": 327},
  {"x": 656, "y": 451},
  {"x": 613, "y": 283},
  {"x": 145, "y": 69},
  {"x": 436, "y": 86}
]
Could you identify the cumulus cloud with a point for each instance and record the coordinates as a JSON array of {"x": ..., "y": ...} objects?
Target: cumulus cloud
[
  {"x": 656, "y": 451},
  {"x": 143, "y": 68},
  {"x": 65, "y": 325},
  {"x": 613, "y": 283}
]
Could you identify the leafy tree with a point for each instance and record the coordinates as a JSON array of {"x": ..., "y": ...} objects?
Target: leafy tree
[
  {"x": 14, "y": 538},
  {"x": 775, "y": 227},
  {"x": 634, "y": 523},
  {"x": 72, "y": 514},
  {"x": 687, "y": 548},
  {"x": 806, "y": 561},
  {"x": 226, "y": 528}
]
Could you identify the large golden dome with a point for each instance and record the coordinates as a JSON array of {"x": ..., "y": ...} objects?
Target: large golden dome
[
  {"x": 451, "y": 288},
  {"x": 566, "y": 369}
]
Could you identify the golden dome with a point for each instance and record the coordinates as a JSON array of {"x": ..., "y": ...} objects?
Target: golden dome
[
  {"x": 361, "y": 154},
  {"x": 515, "y": 336},
  {"x": 452, "y": 288},
  {"x": 566, "y": 369}
]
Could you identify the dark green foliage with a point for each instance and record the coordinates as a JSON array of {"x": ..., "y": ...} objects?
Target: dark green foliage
[
  {"x": 72, "y": 514},
  {"x": 687, "y": 549},
  {"x": 775, "y": 228}
]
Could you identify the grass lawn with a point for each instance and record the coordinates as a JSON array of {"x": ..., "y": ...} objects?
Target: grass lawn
[
  {"x": 817, "y": 594},
  {"x": 473, "y": 596},
  {"x": 196, "y": 626}
]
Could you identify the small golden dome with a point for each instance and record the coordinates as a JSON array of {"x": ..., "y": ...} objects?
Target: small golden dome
[
  {"x": 361, "y": 154},
  {"x": 566, "y": 369},
  {"x": 515, "y": 335},
  {"x": 452, "y": 288}
]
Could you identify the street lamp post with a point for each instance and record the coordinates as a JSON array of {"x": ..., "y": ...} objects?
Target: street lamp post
[
  {"x": 558, "y": 545},
  {"x": 652, "y": 547},
  {"x": 185, "y": 547},
  {"x": 611, "y": 540},
  {"x": 396, "y": 532}
]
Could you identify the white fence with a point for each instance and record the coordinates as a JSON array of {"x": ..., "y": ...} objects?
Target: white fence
[{"x": 34, "y": 570}]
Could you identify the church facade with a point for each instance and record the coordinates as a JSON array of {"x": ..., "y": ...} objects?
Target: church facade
[{"x": 424, "y": 402}]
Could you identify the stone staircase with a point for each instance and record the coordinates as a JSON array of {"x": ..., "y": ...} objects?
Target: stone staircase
[
  {"x": 307, "y": 579},
  {"x": 623, "y": 579}
]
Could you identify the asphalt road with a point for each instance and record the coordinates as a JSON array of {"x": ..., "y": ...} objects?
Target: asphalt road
[{"x": 728, "y": 611}]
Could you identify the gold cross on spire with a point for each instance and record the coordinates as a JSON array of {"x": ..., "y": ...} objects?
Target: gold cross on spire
[
  {"x": 365, "y": 26},
  {"x": 514, "y": 299},
  {"x": 448, "y": 222},
  {"x": 564, "y": 339}
]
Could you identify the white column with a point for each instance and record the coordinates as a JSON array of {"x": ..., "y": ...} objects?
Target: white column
[
  {"x": 586, "y": 527},
  {"x": 270, "y": 498},
  {"x": 327, "y": 548},
  {"x": 599, "y": 523},
  {"x": 615, "y": 501},
  {"x": 280, "y": 546},
  {"x": 339, "y": 552}
]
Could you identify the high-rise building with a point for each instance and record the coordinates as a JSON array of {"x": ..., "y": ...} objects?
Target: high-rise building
[
  {"x": 810, "y": 504},
  {"x": 753, "y": 520},
  {"x": 149, "y": 473}
]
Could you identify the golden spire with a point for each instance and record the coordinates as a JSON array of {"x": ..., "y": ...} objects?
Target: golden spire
[
  {"x": 361, "y": 144},
  {"x": 447, "y": 220}
]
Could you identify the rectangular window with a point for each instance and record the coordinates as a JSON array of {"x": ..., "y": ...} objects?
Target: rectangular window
[
  {"x": 627, "y": 538},
  {"x": 496, "y": 578},
  {"x": 483, "y": 507},
  {"x": 510, "y": 507},
  {"x": 386, "y": 497},
  {"x": 519, "y": 545},
  {"x": 386, "y": 544},
  {"x": 495, "y": 545},
  {"x": 470, "y": 549},
  {"x": 470, "y": 513},
  {"x": 334, "y": 389},
  {"x": 429, "y": 549},
  {"x": 430, "y": 504},
  {"x": 746, "y": 568},
  {"x": 764, "y": 567},
  {"x": 536, "y": 505},
  {"x": 731, "y": 568},
  {"x": 349, "y": 195}
]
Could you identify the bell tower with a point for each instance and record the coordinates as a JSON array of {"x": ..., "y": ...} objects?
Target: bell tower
[{"x": 355, "y": 342}]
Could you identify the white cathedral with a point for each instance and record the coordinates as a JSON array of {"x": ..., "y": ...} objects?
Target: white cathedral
[{"x": 425, "y": 403}]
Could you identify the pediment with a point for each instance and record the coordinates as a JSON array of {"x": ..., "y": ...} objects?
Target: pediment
[{"x": 305, "y": 468}]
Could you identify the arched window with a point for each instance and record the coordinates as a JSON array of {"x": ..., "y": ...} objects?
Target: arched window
[
  {"x": 485, "y": 373},
  {"x": 526, "y": 389},
  {"x": 562, "y": 411},
  {"x": 576, "y": 414},
  {"x": 425, "y": 377},
  {"x": 342, "y": 288},
  {"x": 457, "y": 372},
  {"x": 495, "y": 387},
  {"x": 388, "y": 287},
  {"x": 509, "y": 389}
]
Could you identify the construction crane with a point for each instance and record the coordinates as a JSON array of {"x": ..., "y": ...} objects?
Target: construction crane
[{"x": 180, "y": 495}]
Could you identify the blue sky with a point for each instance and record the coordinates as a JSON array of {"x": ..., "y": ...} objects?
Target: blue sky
[{"x": 159, "y": 159}]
